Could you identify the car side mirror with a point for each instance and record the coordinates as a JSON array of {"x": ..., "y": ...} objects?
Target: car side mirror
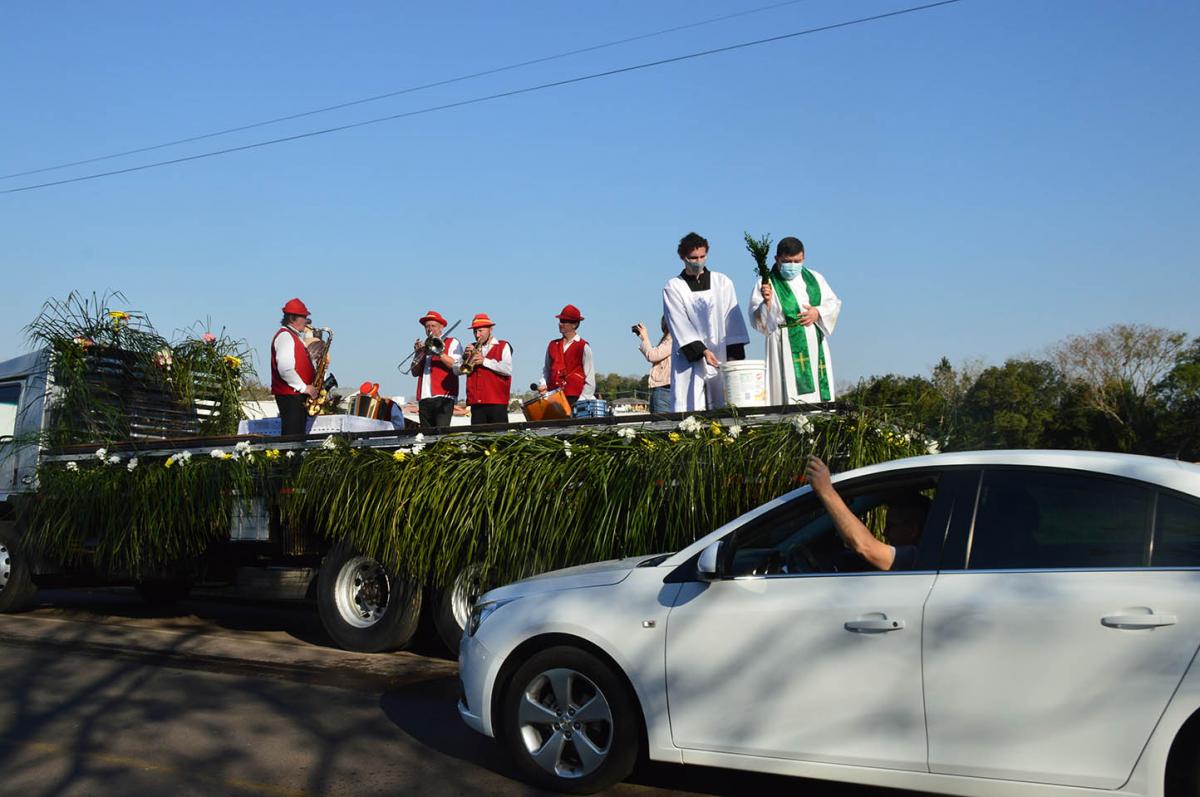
[{"x": 708, "y": 566}]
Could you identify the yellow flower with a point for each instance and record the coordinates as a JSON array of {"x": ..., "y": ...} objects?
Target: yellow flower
[
  {"x": 271, "y": 453},
  {"x": 716, "y": 428},
  {"x": 233, "y": 362},
  {"x": 118, "y": 316},
  {"x": 226, "y": 455},
  {"x": 170, "y": 461},
  {"x": 674, "y": 437},
  {"x": 399, "y": 456}
]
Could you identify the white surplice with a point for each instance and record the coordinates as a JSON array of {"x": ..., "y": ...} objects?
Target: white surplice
[
  {"x": 781, "y": 371},
  {"x": 713, "y": 317}
]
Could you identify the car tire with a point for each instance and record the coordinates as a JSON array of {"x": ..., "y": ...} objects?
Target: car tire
[
  {"x": 452, "y": 606},
  {"x": 570, "y": 722},
  {"x": 364, "y": 606},
  {"x": 16, "y": 578}
]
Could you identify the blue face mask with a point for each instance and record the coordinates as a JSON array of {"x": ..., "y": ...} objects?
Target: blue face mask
[{"x": 790, "y": 270}]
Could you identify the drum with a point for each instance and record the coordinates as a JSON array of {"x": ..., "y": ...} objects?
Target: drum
[
  {"x": 377, "y": 407},
  {"x": 548, "y": 407}
]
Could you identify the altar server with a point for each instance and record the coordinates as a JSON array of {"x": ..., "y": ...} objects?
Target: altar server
[
  {"x": 569, "y": 364},
  {"x": 488, "y": 365},
  {"x": 706, "y": 326},
  {"x": 292, "y": 371},
  {"x": 437, "y": 374},
  {"x": 797, "y": 311}
]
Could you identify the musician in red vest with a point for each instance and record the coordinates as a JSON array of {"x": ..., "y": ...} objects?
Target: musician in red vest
[
  {"x": 292, "y": 371},
  {"x": 569, "y": 365},
  {"x": 488, "y": 362},
  {"x": 437, "y": 376}
]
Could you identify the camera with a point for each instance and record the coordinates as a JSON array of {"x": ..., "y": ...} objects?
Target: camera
[{"x": 634, "y": 329}]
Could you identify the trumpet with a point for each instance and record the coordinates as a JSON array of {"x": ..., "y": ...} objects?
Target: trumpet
[{"x": 467, "y": 366}]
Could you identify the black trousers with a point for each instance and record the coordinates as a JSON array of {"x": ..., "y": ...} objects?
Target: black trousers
[
  {"x": 436, "y": 412},
  {"x": 489, "y": 413},
  {"x": 293, "y": 415}
]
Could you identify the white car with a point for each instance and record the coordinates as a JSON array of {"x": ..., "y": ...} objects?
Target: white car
[{"x": 1043, "y": 642}]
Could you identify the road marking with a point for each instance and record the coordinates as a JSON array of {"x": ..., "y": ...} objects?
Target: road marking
[{"x": 161, "y": 769}]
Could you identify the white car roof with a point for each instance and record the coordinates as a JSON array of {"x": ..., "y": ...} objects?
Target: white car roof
[{"x": 1170, "y": 473}]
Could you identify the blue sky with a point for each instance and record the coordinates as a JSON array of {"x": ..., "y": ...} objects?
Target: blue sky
[{"x": 977, "y": 180}]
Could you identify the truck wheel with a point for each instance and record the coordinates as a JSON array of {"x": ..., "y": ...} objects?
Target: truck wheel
[
  {"x": 570, "y": 722},
  {"x": 16, "y": 581},
  {"x": 452, "y": 606},
  {"x": 364, "y": 606}
]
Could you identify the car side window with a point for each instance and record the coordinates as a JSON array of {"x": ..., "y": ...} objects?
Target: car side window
[
  {"x": 1035, "y": 519},
  {"x": 799, "y": 537},
  {"x": 1176, "y": 532}
]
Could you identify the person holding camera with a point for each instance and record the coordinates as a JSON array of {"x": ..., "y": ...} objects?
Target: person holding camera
[{"x": 659, "y": 358}]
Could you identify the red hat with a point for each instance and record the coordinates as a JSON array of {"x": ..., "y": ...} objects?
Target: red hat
[
  {"x": 482, "y": 320},
  {"x": 433, "y": 315},
  {"x": 295, "y": 307},
  {"x": 570, "y": 313}
]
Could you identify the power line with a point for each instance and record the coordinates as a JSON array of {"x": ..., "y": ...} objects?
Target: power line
[
  {"x": 489, "y": 97},
  {"x": 400, "y": 92}
]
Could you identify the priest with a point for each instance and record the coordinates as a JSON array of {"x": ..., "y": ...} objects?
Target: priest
[
  {"x": 797, "y": 311},
  {"x": 707, "y": 329}
]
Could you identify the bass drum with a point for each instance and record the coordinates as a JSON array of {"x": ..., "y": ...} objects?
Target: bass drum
[
  {"x": 364, "y": 606},
  {"x": 551, "y": 406}
]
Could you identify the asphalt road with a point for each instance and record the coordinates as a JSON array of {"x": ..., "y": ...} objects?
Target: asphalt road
[{"x": 102, "y": 695}]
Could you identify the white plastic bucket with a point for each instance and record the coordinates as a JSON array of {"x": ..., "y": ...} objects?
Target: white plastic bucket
[{"x": 745, "y": 383}]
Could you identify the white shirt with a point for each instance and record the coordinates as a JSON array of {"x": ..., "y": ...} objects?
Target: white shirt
[
  {"x": 285, "y": 358},
  {"x": 503, "y": 366},
  {"x": 454, "y": 350}
]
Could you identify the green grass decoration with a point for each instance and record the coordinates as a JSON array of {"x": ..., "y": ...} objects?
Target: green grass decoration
[
  {"x": 760, "y": 250},
  {"x": 84, "y": 336},
  {"x": 517, "y": 503}
]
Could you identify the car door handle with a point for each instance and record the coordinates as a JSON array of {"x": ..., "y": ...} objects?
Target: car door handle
[
  {"x": 874, "y": 624},
  {"x": 1138, "y": 620}
]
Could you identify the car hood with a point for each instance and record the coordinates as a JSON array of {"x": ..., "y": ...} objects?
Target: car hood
[{"x": 597, "y": 574}]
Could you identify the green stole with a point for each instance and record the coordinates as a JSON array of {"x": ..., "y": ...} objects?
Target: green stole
[{"x": 798, "y": 335}]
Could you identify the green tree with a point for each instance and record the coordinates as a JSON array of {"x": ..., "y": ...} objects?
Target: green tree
[{"x": 1015, "y": 405}]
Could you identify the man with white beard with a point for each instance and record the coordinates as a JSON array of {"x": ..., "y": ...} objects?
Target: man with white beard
[
  {"x": 707, "y": 329},
  {"x": 797, "y": 311}
]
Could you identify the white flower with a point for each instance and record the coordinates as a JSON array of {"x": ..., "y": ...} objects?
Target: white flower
[
  {"x": 734, "y": 431},
  {"x": 691, "y": 424},
  {"x": 933, "y": 447},
  {"x": 420, "y": 438},
  {"x": 72, "y": 466},
  {"x": 217, "y": 453},
  {"x": 184, "y": 456},
  {"x": 463, "y": 447},
  {"x": 131, "y": 465},
  {"x": 242, "y": 446},
  {"x": 567, "y": 448},
  {"x": 329, "y": 443},
  {"x": 290, "y": 454},
  {"x": 418, "y": 448},
  {"x": 113, "y": 460},
  {"x": 627, "y": 433},
  {"x": 102, "y": 454},
  {"x": 801, "y": 424}
]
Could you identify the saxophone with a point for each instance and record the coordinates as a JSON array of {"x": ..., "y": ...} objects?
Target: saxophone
[{"x": 318, "y": 352}]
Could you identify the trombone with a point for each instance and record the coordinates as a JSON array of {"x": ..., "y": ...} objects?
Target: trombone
[{"x": 433, "y": 347}]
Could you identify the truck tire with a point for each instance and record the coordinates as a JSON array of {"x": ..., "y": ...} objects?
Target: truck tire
[
  {"x": 364, "y": 606},
  {"x": 16, "y": 580},
  {"x": 452, "y": 606}
]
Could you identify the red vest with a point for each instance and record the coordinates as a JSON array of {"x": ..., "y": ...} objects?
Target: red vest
[
  {"x": 566, "y": 367},
  {"x": 443, "y": 381},
  {"x": 485, "y": 386},
  {"x": 304, "y": 366}
]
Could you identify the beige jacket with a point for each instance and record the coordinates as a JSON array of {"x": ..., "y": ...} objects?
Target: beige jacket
[{"x": 660, "y": 361}]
